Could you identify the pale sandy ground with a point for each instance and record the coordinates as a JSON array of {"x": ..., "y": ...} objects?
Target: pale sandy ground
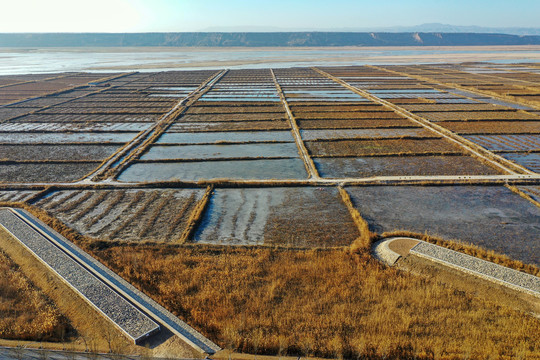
[
  {"x": 211, "y": 57},
  {"x": 346, "y": 55}
]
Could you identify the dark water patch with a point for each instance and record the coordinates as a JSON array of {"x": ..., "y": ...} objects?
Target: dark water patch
[
  {"x": 210, "y": 137},
  {"x": 60, "y": 138},
  {"x": 299, "y": 217},
  {"x": 56, "y": 152},
  {"x": 45, "y": 172},
  {"x": 221, "y": 151},
  {"x": 489, "y": 216},
  {"x": 234, "y": 169},
  {"x": 530, "y": 161}
]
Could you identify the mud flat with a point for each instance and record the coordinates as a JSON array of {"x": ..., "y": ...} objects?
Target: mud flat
[
  {"x": 232, "y": 169},
  {"x": 296, "y": 217},
  {"x": 133, "y": 215},
  {"x": 483, "y": 215}
]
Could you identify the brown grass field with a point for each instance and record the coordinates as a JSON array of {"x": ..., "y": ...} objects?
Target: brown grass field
[
  {"x": 355, "y": 124},
  {"x": 492, "y": 127},
  {"x": 326, "y": 303},
  {"x": 380, "y": 146},
  {"x": 337, "y": 302},
  {"x": 25, "y": 312}
]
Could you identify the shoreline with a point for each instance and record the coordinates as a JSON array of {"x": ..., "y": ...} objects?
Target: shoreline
[
  {"x": 143, "y": 49},
  {"x": 17, "y": 61}
]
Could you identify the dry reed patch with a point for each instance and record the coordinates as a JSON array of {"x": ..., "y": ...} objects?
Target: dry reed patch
[
  {"x": 36, "y": 152},
  {"x": 133, "y": 215},
  {"x": 354, "y": 115},
  {"x": 233, "y": 107},
  {"x": 324, "y": 303},
  {"x": 455, "y": 107},
  {"x": 380, "y": 146},
  {"x": 25, "y": 312},
  {"x": 45, "y": 172},
  {"x": 334, "y": 107},
  {"x": 257, "y": 125},
  {"x": 509, "y": 115},
  {"x": 267, "y": 116},
  {"x": 492, "y": 127},
  {"x": 356, "y": 124}
]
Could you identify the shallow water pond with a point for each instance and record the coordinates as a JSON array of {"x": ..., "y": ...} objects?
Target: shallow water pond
[
  {"x": 303, "y": 217},
  {"x": 158, "y": 152},
  {"x": 60, "y": 138},
  {"x": 234, "y": 169},
  {"x": 362, "y": 133},
  {"x": 489, "y": 216},
  {"x": 529, "y": 160},
  {"x": 211, "y": 137}
]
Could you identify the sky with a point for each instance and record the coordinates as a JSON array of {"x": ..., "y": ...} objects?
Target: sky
[{"x": 200, "y": 15}]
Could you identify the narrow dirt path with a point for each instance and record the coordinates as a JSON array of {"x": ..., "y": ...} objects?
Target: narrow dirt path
[{"x": 302, "y": 150}]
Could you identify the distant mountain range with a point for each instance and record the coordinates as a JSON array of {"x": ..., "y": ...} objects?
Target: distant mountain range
[
  {"x": 426, "y": 28},
  {"x": 255, "y": 39}
]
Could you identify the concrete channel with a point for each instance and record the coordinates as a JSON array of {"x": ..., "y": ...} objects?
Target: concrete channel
[{"x": 134, "y": 313}]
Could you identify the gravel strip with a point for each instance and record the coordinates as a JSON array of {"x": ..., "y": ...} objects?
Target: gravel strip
[
  {"x": 123, "y": 314},
  {"x": 153, "y": 309},
  {"x": 485, "y": 269}
]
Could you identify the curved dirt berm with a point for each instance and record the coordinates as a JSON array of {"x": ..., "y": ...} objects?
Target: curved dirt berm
[{"x": 391, "y": 249}]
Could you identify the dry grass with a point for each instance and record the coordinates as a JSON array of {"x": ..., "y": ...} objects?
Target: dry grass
[
  {"x": 492, "y": 127},
  {"x": 329, "y": 303},
  {"x": 366, "y": 237},
  {"x": 353, "y": 115},
  {"x": 333, "y": 107},
  {"x": 365, "y": 147},
  {"x": 224, "y": 117},
  {"x": 196, "y": 215},
  {"x": 235, "y": 108},
  {"x": 356, "y": 124},
  {"x": 25, "y": 312}
]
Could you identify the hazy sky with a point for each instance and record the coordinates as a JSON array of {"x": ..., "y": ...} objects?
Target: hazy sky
[{"x": 196, "y": 15}]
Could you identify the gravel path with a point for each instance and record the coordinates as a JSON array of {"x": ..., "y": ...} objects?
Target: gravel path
[
  {"x": 485, "y": 269},
  {"x": 154, "y": 310},
  {"x": 122, "y": 313}
]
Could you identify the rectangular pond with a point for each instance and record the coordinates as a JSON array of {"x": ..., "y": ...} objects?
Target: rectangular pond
[
  {"x": 234, "y": 169},
  {"x": 74, "y": 127},
  {"x": 232, "y": 136},
  {"x": 159, "y": 152},
  {"x": 57, "y": 152},
  {"x": 299, "y": 217},
  {"x": 530, "y": 161},
  {"x": 522, "y": 142},
  {"x": 26, "y": 173},
  {"x": 401, "y": 166},
  {"x": 60, "y": 138},
  {"x": 362, "y": 133},
  {"x": 489, "y": 216}
]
